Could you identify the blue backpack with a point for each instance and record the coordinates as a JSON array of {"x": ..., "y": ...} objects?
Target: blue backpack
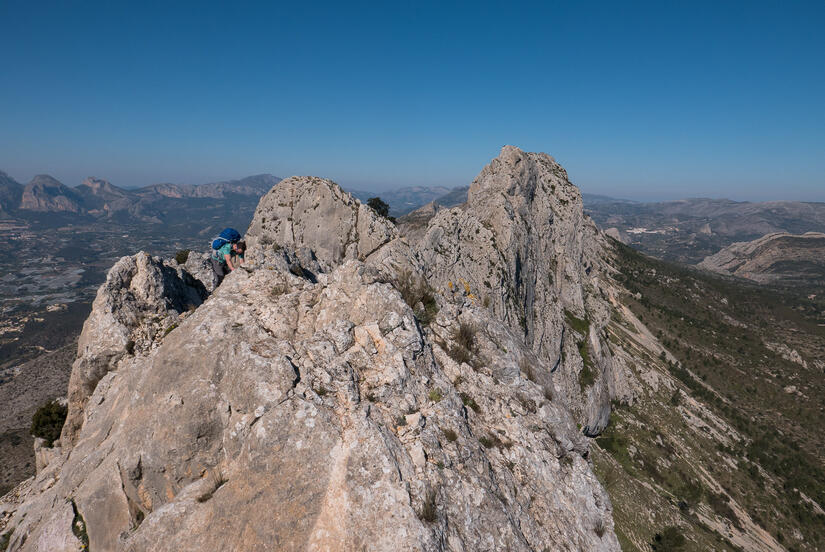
[{"x": 228, "y": 235}]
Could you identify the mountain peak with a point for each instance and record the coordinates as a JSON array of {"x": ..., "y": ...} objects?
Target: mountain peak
[
  {"x": 342, "y": 378},
  {"x": 47, "y": 194},
  {"x": 516, "y": 173}
]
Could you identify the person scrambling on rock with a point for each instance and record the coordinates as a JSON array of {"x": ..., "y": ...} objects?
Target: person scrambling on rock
[{"x": 227, "y": 253}]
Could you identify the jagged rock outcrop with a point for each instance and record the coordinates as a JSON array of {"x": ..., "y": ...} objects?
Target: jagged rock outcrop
[
  {"x": 413, "y": 225},
  {"x": 522, "y": 248},
  {"x": 141, "y": 299},
  {"x": 44, "y": 193},
  {"x": 312, "y": 212},
  {"x": 777, "y": 257},
  {"x": 309, "y": 404}
]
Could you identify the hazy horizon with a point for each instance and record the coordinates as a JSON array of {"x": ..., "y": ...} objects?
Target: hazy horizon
[
  {"x": 377, "y": 190},
  {"x": 644, "y": 100}
]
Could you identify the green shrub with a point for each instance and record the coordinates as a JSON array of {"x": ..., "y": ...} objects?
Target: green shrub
[
  {"x": 450, "y": 434},
  {"x": 587, "y": 376},
  {"x": 468, "y": 401},
  {"x": 465, "y": 336},
  {"x": 79, "y": 527},
  {"x": 415, "y": 291},
  {"x": 464, "y": 343},
  {"x": 579, "y": 325},
  {"x": 492, "y": 440},
  {"x": 379, "y": 206},
  {"x": 671, "y": 538},
  {"x": 459, "y": 354},
  {"x": 691, "y": 492},
  {"x": 429, "y": 512},
  {"x": 616, "y": 445},
  {"x": 48, "y": 420},
  {"x": 181, "y": 256},
  {"x": 4, "y": 540},
  {"x": 435, "y": 395}
]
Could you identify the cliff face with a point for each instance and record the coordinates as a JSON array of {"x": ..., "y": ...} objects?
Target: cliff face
[
  {"x": 101, "y": 196},
  {"x": 346, "y": 389},
  {"x": 522, "y": 249},
  {"x": 44, "y": 193}
]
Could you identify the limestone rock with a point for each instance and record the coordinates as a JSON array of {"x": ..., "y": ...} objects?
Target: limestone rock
[
  {"x": 317, "y": 213},
  {"x": 522, "y": 248},
  {"x": 308, "y": 404},
  {"x": 141, "y": 299}
]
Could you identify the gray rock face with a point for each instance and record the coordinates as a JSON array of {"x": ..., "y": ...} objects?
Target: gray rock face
[
  {"x": 316, "y": 213},
  {"x": 44, "y": 193},
  {"x": 305, "y": 406},
  {"x": 522, "y": 248},
  {"x": 141, "y": 299}
]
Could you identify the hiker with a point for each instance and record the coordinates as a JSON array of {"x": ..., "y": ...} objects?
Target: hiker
[{"x": 227, "y": 253}]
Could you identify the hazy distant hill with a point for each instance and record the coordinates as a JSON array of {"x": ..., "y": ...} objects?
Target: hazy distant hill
[
  {"x": 47, "y": 194},
  {"x": 780, "y": 257},
  {"x": 10, "y": 193},
  {"x": 404, "y": 200},
  {"x": 97, "y": 198},
  {"x": 256, "y": 185},
  {"x": 691, "y": 229}
]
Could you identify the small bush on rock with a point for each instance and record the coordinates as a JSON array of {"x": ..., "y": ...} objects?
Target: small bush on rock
[
  {"x": 48, "y": 421},
  {"x": 418, "y": 295},
  {"x": 579, "y": 325},
  {"x": 379, "y": 206},
  {"x": 464, "y": 343},
  {"x": 182, "y": 256},
  {"x": 468, "y": 401},
  {"x": 671, "y": 538},
  {"x": 429, "y": 512},
  {"x": 4, "y": 540}
]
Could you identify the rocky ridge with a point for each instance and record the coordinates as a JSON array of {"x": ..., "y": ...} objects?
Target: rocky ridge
[
  {"x": 349, "y": 388},
  {"x": 96, "y": 196},
  {"x": 777, "y": 257}
]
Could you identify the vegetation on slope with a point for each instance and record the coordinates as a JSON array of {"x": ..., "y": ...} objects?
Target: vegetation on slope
[{"x": 729, "y": 447}]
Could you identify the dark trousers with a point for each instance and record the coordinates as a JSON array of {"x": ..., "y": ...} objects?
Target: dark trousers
[{"x": 220, "y": 269}]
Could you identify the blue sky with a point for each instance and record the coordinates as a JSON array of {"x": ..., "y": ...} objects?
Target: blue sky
[{"x": 650, "y": 100}]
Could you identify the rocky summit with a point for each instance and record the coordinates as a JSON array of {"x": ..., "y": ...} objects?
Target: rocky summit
[{"x": 349, "y": 388}]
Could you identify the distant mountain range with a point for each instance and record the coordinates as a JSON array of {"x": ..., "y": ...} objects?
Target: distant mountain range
[
  {"x": 404, "y": 200},
  {"x": 99, "y": 198},
  {"x": 686, "y": 230},
  {"x": 689, "y": 230}
]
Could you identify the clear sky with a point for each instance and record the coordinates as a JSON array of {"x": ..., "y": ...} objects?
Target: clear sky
[{"x": 646, "y": 100}]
